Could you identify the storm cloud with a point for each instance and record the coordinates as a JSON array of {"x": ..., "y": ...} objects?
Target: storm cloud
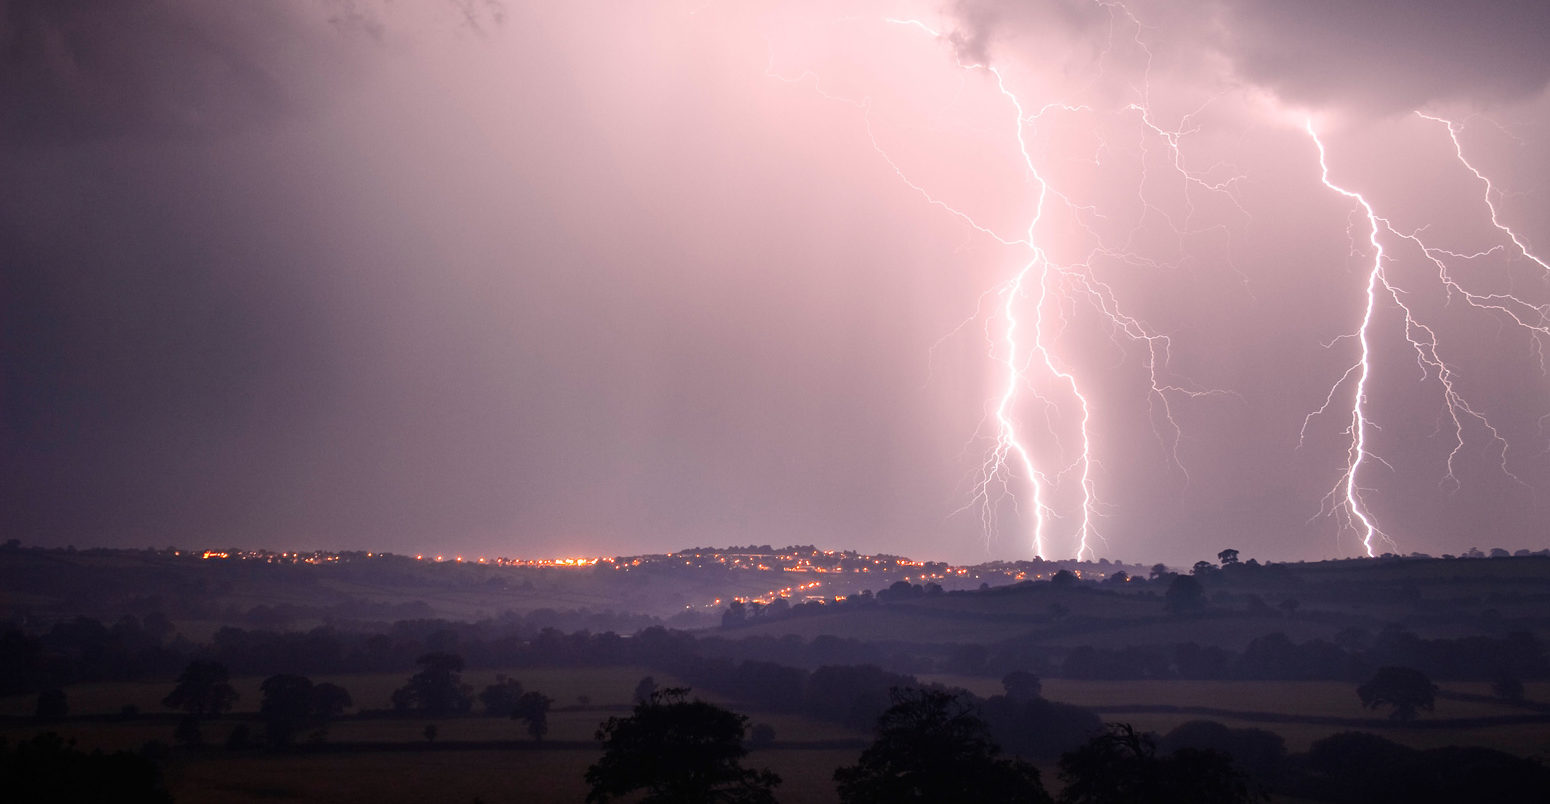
[{"x": 548, "y": 278}]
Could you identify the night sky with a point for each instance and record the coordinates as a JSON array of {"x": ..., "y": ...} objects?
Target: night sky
[{"x": 537, "y": 279}]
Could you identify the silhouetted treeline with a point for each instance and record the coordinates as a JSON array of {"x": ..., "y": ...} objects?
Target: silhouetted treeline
[
  {"x": 1275, "y": 657},
  {"x": 84, "y": 650},
  {"x": 1361, "y": 768},
  {"x": 47, "y": 768}
]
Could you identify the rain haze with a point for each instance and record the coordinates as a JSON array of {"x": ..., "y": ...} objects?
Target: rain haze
[{"x": 958, "y": 281}]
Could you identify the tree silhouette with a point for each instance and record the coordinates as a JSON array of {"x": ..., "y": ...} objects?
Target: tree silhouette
[
  {"x": 292, "y": 703},
  {"x": 202, "y": 689},
  {"x": 932, "y": 747},
  {"x": 47, "y": 768},
  {"x": 1228, "y": 556},
  {"x": 286, "y": 707},
  {"x": 677, "y": 750},
  {"x": 438, "y": 688},
  {"x": 1021, "y": 685},
  {"x": 644, "y": 689},
  {"x": 53, "y": 704},
  {"x": 500, "y": 699},
  {"x": 533, "y": 707},
  {"x": 330, "y": 700},
  {"x": 1505, "y": 686},
  {"x": 1121, "y": 766},
  {"x": 1184, "y": 595},
  {"x": 1404, "y": 688}
]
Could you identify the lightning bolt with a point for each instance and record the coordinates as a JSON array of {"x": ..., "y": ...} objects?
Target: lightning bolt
[
  {"x": 1031, "y": 312},
  {"x": 1489, "y": 192},
  {"x": 1352, "y": 506},
  {"x": 1020, "y": 356},
  {"x": 1346, "y": 500}
]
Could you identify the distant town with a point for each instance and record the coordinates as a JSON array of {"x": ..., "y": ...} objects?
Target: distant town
[{"x": 831, "y": 574}]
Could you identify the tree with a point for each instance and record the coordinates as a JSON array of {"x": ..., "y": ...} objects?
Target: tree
[
  {"x": 1021, "y": 685},
  {"x": 500, "y": 699},
  {"x": 47, "y": 768},
  {"x": 286, "y": 707},
  {"x": 330, "y": 700},
  {"x": 1505, "y": 686},
  {"x": 1121, "y": 766},
  {"x": 1184, "y": 595},
  {"x": 292, "y": 703},
  {"x": 53, "y": 704},
  {"x": 202, "y": 689},
  {"x": 533, "y": 707},
  {"x": 438, "y": 688},
  {"x": 677, "y": 750},
  {"x": 1228, "y": 556},
  {"x": 932, "y": 747},
  {"x": 1259, "y": 753},
  {"x": 644, "y": 689},
  {"x": 1404, "y": 688},
  {"x": 188, "y": 732}
]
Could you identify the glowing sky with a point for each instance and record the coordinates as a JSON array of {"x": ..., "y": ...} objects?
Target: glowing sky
[{"x": 558, "y": 278}]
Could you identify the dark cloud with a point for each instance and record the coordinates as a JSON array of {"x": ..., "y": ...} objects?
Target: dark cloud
[
  {"x": 1390, "y": 55},
  {"x": 1379, "y": 56},
  {"x": 79, "y": 70},
  {"x": 983, "y": 22}
]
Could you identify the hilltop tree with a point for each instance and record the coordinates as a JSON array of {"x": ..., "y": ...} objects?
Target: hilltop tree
[
  {"x": 1228, "y": 556},
  {"x": 932, "y": 747},
  {"x": 1404, "y": 688},
  {"x": 202, "y": 689},
  {"x": 677, "y": 750}
]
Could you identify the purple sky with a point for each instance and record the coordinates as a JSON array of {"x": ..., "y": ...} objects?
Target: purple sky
[{"x": 558, "y": 278}]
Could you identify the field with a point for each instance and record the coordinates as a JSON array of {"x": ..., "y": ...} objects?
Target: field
[
  {"x": 1134, "y": 701},
  {"x": 388, "y": 759}
]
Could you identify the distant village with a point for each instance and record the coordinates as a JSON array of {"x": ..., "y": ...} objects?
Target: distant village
[{"x": 836, "y": 573}]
